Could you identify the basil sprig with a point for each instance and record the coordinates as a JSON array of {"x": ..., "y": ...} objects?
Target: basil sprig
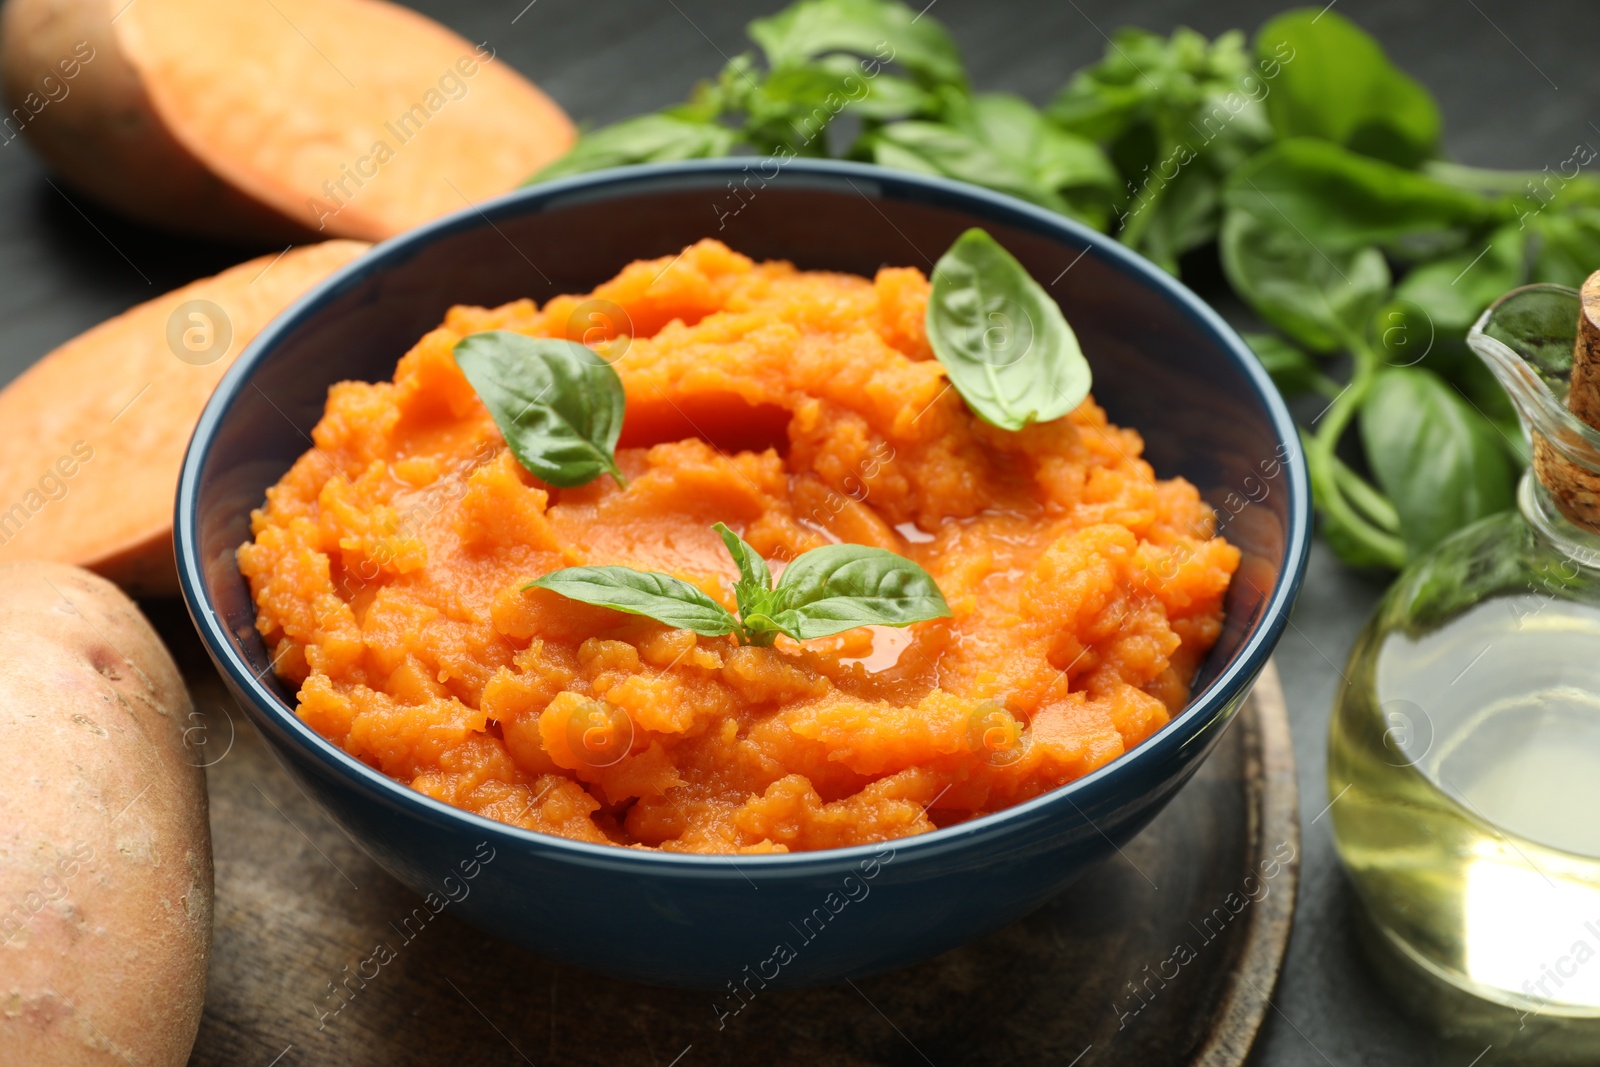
[
  {"x": 558, "y": 403},
  {"x": 1003, "y": 341},
  {"x": 825, "y": 591}
]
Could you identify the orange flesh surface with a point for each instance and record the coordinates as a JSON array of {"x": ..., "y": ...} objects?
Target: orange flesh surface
[
  {"x": 357, "y": 118},
  {"x": 801, "y": 409},
  {"x": 96, "y": 430}
]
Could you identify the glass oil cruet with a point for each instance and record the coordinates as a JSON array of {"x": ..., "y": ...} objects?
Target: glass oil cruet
[{"x": 1464, "y": 753}]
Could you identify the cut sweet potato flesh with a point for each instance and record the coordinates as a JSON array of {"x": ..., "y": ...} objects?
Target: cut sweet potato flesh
[
  {"x": 354, "y": 117},
  {"x": 96, "y": 431}
]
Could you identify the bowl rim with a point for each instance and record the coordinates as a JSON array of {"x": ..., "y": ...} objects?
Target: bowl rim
[{"x": 1201, "y": 712}]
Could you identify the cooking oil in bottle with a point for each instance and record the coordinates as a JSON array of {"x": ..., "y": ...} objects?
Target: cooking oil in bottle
[{"x": 1464, "y": 755}]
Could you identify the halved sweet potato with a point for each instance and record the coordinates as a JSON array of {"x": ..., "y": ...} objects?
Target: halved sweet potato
[
  {"x": 352, "y": 118},
  {"x": 96, "y": 430}
]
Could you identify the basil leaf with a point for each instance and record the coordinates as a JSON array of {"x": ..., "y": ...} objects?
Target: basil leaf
[
  {"x": 1019, "y": 133},
  {"x": 825, "y": 591},
  {"x": 649, "y": 593},
  {"x": 793, "y": 108},
  {"x": 754, "y": 587},
  {"x": 1145, "y": 81},
  {"x": 839, "y": 587},
  {"x": 941, "y": 150},
  {"x": 1441, "y": 463},
  {"x": 1183, "y": 217},
  {"x": 1003, "y": 341},
  {"x": 887, "y": 96},
  {"x": 1426, "y": 323},
  {"x": 1453, "y": 291},
  {"x": 888, "y": 32},
  {"x": 642, "y": 139},
  {"x": 1343, "y": 201},
  {"x": 1105, "y": 100},
  {"x": 752, "y": 567},
  {"x": 1569, "y": 246},
  {"x": 1336, "y": 83},
  {"x": 558, "y": 404},
  {"x": 1321, "y": 298},
  {"x": 1084, "y": 178},
  {"x": 1177, "y": 115}
]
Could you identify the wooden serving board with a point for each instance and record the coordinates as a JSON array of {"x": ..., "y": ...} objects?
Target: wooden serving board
[{"x": 1165, "y": 955}]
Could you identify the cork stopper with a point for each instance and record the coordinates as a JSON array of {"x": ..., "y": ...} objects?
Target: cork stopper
[{"x": 1575, "y": 488}]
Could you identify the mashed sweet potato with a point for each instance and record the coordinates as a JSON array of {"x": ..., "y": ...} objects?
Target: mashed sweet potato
[{"x": 800, "y": 408}]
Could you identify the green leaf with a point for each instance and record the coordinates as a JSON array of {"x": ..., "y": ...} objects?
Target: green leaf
[
  {"x": 1183, "y": 218},
  {"x": 881, "y": 30},
  {"x": 557, "y": 403},
  {"x": 839, "y": 587},
  {"x": 1003, "y": 341},
  {"x": 1292, "y": 370},
  {"x": 1435, "y": 304},
  {"x": 1340, "y": 200},
  {"x": 1019, "y": 133},
  {"x": 1441, "y": 463},
  {"x": 944, "y": 151},
  {"x": 1147, "y": 79},
  {"x": 1568, "y": 246},
  {"x": 1453, "y": 291},
  {"x": 794, "y": 107},
  {"x": 889, "y": 97},
  {"x": 1002, "y": 142},
  {"x": 754, "y": 587},
  {"x": 649, "y": 593},
  {"x": 1321, "y": 298},
  {"x": 644, "y": 139},
  {"x": 752, "y": 567},
  {"x": 1176, "y": 115},
  {"x": 1337, "y": 84},
  {"x": 824, "y": 591},
  {"x": 1098, "y": 106}
]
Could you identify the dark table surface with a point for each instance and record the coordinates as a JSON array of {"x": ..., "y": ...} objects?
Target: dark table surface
[{"x": 1518, "y": 83}]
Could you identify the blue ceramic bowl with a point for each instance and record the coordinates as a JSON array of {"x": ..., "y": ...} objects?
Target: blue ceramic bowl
[{"x": 1163, "y": 363}]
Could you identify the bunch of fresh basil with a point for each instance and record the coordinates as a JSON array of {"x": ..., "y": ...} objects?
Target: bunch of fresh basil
[
  {"x": 1305, "y": 158},
  {"x": 1350, "y": 235},
  {"x": 895, "y": 81}
]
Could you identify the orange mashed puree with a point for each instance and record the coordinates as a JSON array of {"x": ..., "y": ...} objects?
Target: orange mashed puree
[{"x": 801, "y": 408}]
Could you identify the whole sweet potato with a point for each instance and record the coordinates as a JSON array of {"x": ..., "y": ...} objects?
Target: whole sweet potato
[{"x": 105, "y": 848}]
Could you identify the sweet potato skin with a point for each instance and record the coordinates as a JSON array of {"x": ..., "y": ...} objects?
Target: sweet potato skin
[
  {"x": 103, "y": 135},
  {"x": 105, "y": 847}
]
